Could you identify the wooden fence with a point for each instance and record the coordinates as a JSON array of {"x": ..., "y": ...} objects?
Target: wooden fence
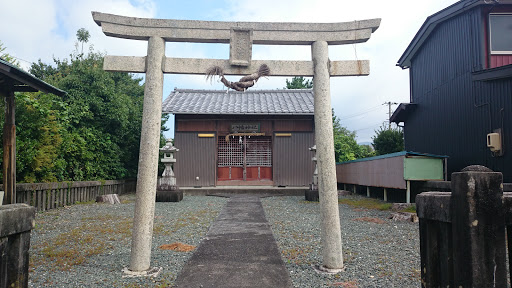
[
  {"x": 463, "y": 233},
  {"x": 46, "y": 196}
]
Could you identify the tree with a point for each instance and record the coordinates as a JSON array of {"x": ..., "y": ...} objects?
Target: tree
[
  {"x": 102, "y": 114},
  {"x": 366, "y": 151},
  {"x": 5, "y": 56},
  {"x": 345, "y": 144},
  {"x": 82, "y": 36},
  {"x": 38, "y": 137},
  {"x": 90, "y": 133},
  {"x": 388, "y": 141},
  {"x": 299, "y": 83}
]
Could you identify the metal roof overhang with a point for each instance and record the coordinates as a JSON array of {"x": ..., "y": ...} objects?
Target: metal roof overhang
[
  {"x": 431, "y": 23},
  {"x": 396, "y": 154},
  {"x": 497, "y": 73},
  {"x": 402, "y": 112},
  {"x": 22, "y": 81}
]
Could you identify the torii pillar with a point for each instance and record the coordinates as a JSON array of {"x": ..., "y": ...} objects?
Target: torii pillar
[{"x": 241, "y": 36}]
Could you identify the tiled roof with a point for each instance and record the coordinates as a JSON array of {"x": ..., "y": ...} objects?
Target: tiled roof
[{"x": 274, "y": 102}]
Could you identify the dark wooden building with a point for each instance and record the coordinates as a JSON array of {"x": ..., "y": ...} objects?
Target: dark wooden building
[
  {"x": 242, "y": 138},
  {"x": 461, "y": 86}
]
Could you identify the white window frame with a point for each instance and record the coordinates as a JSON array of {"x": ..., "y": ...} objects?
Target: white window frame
[{"x": 490, "y": 34}]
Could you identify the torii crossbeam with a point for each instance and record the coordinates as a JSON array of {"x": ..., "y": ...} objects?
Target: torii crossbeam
[{"x": 241, "y": 36}]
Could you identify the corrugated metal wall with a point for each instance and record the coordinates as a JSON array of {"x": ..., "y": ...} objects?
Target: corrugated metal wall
[
  {"x": 196, "y": 158},
  {"x": 385, "y": 172},
  {"x": 497, "y": 114},
  {"x": 454, "y": 114},
  {"x": 292, "y": 159}
]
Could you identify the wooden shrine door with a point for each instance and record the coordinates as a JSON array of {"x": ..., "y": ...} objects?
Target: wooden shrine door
[{"x": 244, "y": 158}]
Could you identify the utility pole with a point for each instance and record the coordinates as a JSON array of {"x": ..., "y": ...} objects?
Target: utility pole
[{"x": 389, "y": 103}]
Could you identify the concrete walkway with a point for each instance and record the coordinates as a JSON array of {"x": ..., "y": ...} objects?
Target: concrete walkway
[{"x": 238, "y": 251}]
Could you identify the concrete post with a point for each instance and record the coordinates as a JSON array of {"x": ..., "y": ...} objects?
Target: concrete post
[
  {"x": 385, "y": 194},
  {"x": 478, "y": 228},
  {"x": 329, "y": 210},
  {"x": 148, "y": 158},
  {"x": 408, "y": 193},
  {"x": 16, "y": 222},
  {"x": 368, "y": 191}
]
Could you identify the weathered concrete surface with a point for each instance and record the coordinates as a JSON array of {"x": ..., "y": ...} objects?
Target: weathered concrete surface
[
  {"x": 148, "y": 158},
  {"x": 324, "y": 139},
  {"x": 16, "y": 218},
  {"x": 434, "y": 206},
  {"x": 198, "y": 66},
  {"x": 240, "y": 47},
  {"x": 238, "y": 251},
  {"x": 16, "y": 222},
  {"x": 267, "y": 33},
  {"x": 478, "y": 228}
]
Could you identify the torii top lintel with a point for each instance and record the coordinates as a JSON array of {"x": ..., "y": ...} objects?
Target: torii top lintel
[{"x": 241, "y": 36}]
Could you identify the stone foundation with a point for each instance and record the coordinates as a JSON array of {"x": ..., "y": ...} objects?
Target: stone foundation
[
  {"x": 312, "y": 195},
  {"x": 169, "y": 196}
]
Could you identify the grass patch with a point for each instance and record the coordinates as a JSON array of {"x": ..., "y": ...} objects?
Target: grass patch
[
  {"x": 297, "y": 255},
  {"x": 71, "y": 248},
  {"x": 98, "y": 234},
  {"x": 366, "y": 203},
  {"x": 94, "y": 236},
  {"x": 410, "y": 209}
]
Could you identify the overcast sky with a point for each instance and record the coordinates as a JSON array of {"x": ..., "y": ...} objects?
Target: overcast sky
[{"x": 43, "y": 29}]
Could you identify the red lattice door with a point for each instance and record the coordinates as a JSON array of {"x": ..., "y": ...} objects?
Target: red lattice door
[{"x": 245, "y": 158}]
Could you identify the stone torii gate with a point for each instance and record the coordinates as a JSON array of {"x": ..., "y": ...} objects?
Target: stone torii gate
[{"x": 241, "y": 36}]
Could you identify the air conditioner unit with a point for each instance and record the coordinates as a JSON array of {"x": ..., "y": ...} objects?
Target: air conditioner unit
[{"x": 494, "y": 143}]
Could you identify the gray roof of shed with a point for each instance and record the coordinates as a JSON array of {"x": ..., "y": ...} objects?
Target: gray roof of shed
[
  {"x": 268, "y": 102},
  {"x": 21, "y": 81}
]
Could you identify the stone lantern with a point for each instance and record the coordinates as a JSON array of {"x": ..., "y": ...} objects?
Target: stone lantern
[
  {"x": 312, "y": 193},
  {"x": 167, "y": 190}
]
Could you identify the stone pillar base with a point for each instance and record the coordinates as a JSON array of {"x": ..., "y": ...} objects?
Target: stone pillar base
[
  {"x": 151, "y": 272},
  {"x": 321, "y": 269},
  {"x": 169, "y": 196}
]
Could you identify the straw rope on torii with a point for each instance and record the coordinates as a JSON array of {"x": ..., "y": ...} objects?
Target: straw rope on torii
[{"x": 244, "y": 83}]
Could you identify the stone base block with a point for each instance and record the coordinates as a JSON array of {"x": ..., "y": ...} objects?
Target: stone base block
[
  {"x": 169, "y": 196},
  {"x": 312, "y": 195},
  {"x": 151, "y": 272},
  {"x": 108, "y": 198}
]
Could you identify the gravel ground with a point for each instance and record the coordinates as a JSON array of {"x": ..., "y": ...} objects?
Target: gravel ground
[
  {"x": 88, "y": 245},
  {"x": 375, "y": 255}
]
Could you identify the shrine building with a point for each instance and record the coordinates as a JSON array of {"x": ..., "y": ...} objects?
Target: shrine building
[{"x": 257, "y": 137}]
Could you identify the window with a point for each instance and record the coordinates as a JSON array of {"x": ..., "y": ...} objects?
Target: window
[{"x": 500, "y": 26}]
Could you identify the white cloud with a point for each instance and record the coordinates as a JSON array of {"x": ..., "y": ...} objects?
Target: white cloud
[
  {"x": 46, "y": 28},
  {"x": 401, "y": 19}
]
